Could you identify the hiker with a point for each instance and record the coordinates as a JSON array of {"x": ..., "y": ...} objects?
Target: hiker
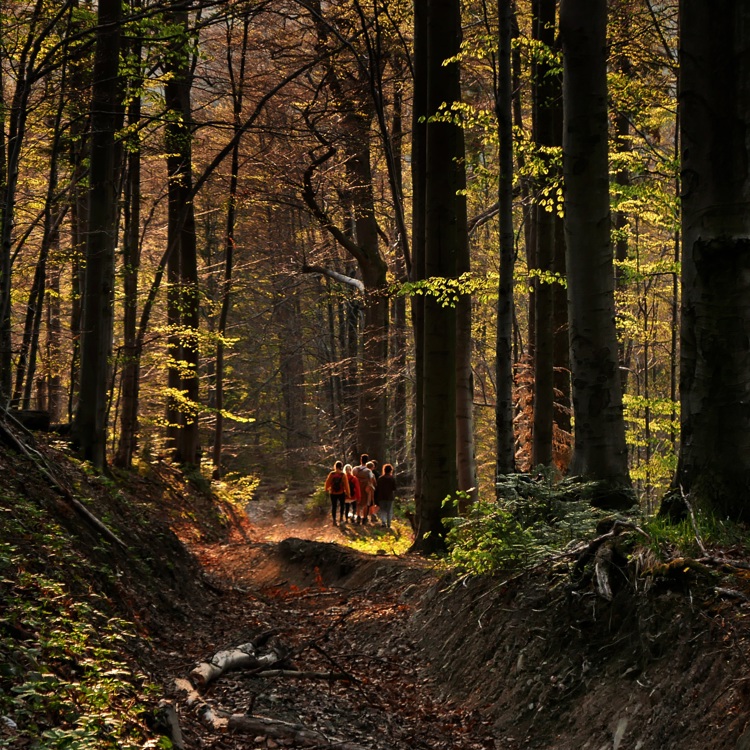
[
  {"x": 337, "y": 485},
  {"x": 364, "y": 477},
  {"x": 371, "y": 504},
  {"x": 385, "y": 494},
  {"x": 354, "y": 493}
]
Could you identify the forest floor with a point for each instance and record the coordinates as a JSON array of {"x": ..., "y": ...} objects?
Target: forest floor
[
  {"x": 382, "y": 651},
  {"x": 425, "y": 660}
]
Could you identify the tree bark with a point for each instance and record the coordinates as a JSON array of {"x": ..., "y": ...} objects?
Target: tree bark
[
  {"x": 131, "y": 255},
  {"x": 238, "y": 82},
  {"x": 506, "y": 459},
  {"x": 547, "y": 131},
  {"x": 714, "y": 101},
  {"x": 184, "y": 308},
  {"x": 445, "y": 222},
  {"x": 90, "y": 429},
  {"x": 417, "y": 272},
  {"x": 600, "y": 451}
]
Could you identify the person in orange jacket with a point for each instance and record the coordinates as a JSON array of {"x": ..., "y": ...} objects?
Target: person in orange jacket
[{"x": 337, "y": 486}]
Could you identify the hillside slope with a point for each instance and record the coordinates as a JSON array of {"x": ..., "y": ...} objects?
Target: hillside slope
[{"x": 98, "y": 640}]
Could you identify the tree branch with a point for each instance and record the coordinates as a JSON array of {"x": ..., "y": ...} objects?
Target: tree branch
[{"x": 336, "y": 276}]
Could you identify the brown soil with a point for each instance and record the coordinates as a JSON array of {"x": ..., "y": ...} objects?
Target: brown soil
[
  {"x": 533, "y": 660},
  {"x": 530, "y": 662}
]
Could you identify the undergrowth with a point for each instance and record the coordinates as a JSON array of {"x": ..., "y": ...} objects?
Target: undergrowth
[
  {"x": 532, "y": 518},
  {"x": 686, "y": 538},
  {"x": 537, "y": 517},
  {"x": 65, "y": 681}
]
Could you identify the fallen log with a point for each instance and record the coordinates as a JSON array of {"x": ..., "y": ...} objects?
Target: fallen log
[
  {"x": 240, "y": 657},
  {"x": 206, "y": 713}
]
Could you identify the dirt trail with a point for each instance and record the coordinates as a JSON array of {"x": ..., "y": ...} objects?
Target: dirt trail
[
  {"x": 334, "y": 609},
  {"x": 526, "y": 662}
]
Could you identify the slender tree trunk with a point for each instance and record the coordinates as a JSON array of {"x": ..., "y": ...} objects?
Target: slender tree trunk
[
  {"x": 714, "y": 463},
  {"x": 90, "y": 426},
  {"x": 399, "y": 449},
  {"x": 238, "y": 84},
  {"x": 185, "y": 298},
  {"x": 131, "y": 258},
  {"x": 418, "y": 178},
  {"x": 6, "y": 345},
  {"x": 600, "y": 451},
  {"x": 53, "y": 348},
  {"x": 546, "y": 91},
  {"x": 506, "y": 460}
]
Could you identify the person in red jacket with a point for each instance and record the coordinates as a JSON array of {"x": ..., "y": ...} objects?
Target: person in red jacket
[
  {"x": 337, "y": 486},
  {"x": 355, "y": 493}
]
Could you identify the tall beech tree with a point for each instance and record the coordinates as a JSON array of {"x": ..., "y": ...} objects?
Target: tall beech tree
[
  {"x": 182, "y": 270},
  {"x": 505, "y": 455},
  {"x": 445, "y": 233},
  {"x": 714, "y": 460},
  {"x": 547, "y": 127},
  {"x": 600, "y": 452},
  {"x": 90, "y": 424}
]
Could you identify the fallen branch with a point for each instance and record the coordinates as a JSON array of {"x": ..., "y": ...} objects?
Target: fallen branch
[
  {"x": 39, "y": 461},
  {"x": 693, "y": 521},
  {"x": 241, "y": 657},
  {"x": 732, "y": 594},
  {"x": 206, "y": 713},
  {"x": 170, "y": 720},
  {"x": 297, "y": 674},
  {"x": 283, "y": 730},
  {"x": 593, "y": 546}
]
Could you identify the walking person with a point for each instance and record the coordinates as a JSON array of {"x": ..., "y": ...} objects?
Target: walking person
[
  {"x": 371, "y": 504},
  {"x": 385, "y": 495},
  {"x": 354, "y": 493},
  {"x": 364, "y": 477},
  {"x": 337, "y": 486}
]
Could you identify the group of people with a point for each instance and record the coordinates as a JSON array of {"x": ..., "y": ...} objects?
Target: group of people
[{"x": 356, "y": 491}]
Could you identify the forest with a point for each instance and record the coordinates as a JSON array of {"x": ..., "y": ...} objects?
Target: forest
[
  {"x": 504, "y": 247},
  {"x": 248, "y": 235}
]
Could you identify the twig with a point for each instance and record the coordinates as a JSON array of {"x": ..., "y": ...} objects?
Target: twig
[
  {"x": 732, "y": 594},
  {"x": 693, "y": 521},
  {"x": 41, "y": 464}
]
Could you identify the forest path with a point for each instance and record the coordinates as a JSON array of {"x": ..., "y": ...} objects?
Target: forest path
[{"x": 333, "y": 609}]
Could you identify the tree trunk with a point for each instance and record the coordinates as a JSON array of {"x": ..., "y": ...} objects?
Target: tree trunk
[
  {"x": 465, "y": 450},
  {"x": 131, "y": 259},
  {"x": 238, "y": 83},
  {"x": 506, "y": 459},
  {"x": 418, "y": 175},
  {"x": 445, "y": 230},
  {"x": 714, "y": 462},
  {"x": 90, "y": 427},
  {"x": 184, "y": 262},
  {"x": 53, "y": 347},
  {"x": 546, "y": 130},
  {"x": 600, "y": 452}
]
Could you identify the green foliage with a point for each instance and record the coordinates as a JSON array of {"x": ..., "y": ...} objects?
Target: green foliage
[
  {"x": 237, "y": 489},
  {"x": 318, "y": 503},
  {"x": 650, "y": 425},
  {"x": 447, "y": 291},
  {"x": 64, "y": 681},
  {"x": 532, "y": 517},
  {"x": 669, "y": 540}
]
